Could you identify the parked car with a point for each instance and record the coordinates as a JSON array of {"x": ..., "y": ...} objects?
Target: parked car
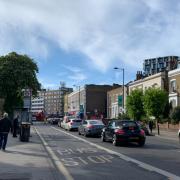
[
  {"x": 54, "y": 120},
  {"x": 121, "y": 131},
  {"x": 146, "y": 129},
  {"x": 60, "y": 121},
  {"x": 91, "y": 128},
  {"x": 49, "y": 120},
  {"x": 72, "y": 124},
  {"x": 66, "y": 119}
]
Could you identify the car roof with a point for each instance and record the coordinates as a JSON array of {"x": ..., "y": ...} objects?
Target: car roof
[
  {"x": 125, "y": 120},
  {"x": 93, "y": 120}
]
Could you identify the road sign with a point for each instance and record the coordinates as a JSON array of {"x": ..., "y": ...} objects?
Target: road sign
[{"x": 120, "y": 99}]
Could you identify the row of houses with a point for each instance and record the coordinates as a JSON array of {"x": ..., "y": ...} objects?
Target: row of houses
[{"x": 107, "y": 100}]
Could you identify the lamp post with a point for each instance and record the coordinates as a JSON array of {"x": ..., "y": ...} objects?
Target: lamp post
[{"x": 121, "y": 69}]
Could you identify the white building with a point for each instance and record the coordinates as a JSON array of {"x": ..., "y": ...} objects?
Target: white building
[{"x": 37, "y": 104}]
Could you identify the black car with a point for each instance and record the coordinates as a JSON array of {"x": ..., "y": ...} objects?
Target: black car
[
  {"x": 121, "y": 131},
  {"x": 91, "y": 128},
  {"x": 54, "y": 120}
]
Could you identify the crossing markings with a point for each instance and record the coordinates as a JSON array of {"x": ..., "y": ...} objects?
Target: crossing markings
[{"x": 126, "y": 158}]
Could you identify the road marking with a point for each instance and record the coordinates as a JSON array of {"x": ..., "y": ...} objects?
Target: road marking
[
  {"x": 126, "y": 158},
  {"x": 55, "y": 159}
]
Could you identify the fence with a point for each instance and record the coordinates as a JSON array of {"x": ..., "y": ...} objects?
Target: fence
[{"x": 168, "y": 126}]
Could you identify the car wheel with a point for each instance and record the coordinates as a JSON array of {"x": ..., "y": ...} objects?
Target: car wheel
[
  {"x": 103, "y": 139},
  {"x": 85, "y": 134},
  {"x": 114, "y": 140},
  {"x": 141, "y": 143}
]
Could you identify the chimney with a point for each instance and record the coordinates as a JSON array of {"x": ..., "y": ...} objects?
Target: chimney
[{"x": 139, "y": 75}]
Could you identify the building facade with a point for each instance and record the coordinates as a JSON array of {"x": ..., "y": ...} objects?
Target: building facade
[
  {"x": 91, "y": 100},
  {"x": 77, "y": 101},
  {"x": 54, "y": 100},
  {"x": 37, "y": 105},
  {"x": 114, "y": 102},
  {"x": 174, "y": 87},
  {"x": 160, "y": 64},
  {"x": 51, "y": 102},
  {"x": 159, "y": 80}
]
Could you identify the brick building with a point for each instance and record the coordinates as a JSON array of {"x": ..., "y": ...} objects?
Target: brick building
[
  {"x": 159, "y": 80},
  {"x": 91, "y": 100},
  {"x": 174, "y": 87},
  {"x": 114, "y": 105}
]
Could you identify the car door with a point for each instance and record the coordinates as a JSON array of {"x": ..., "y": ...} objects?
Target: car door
[
  {"x": 111, "y": 131},
  {"x": 84, "y": 124},
  {"x": 108, "y": 130}
]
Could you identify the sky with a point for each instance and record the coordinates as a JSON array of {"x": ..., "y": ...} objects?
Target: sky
[{"x": 81, "y": 41}]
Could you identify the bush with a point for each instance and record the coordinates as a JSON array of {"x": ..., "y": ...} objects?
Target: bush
[
  {"x": 175, "y": 115},
  {"x": 123, "y": 116}
]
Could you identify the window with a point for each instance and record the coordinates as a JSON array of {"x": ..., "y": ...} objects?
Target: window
[{"x": 173, "y": 86}]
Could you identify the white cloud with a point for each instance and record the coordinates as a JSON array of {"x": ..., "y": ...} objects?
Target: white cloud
[
  {"x": 108, "y": 32},
  {"x": 48, "y": 85},
  {"x": 76, "y": 74}
]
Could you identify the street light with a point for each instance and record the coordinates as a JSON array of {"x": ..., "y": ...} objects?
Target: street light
[{"x": 121, "y": 69}]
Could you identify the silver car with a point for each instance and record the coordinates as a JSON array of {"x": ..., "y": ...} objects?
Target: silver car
[{"x": 73, "y": 124}]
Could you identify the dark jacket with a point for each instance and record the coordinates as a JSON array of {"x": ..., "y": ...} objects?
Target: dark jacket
[
  {"x": 15, "y": 123},
  {"x": 5, "y": 125}
]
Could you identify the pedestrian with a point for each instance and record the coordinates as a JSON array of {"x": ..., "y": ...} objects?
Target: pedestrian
[
  {"x": 5, "y": 126},
  {"x": 15, "y": 125},
  {"x": 151, "y": 125}
]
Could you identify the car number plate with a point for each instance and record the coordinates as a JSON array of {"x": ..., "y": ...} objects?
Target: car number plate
[{"x": 133, "y": 138}]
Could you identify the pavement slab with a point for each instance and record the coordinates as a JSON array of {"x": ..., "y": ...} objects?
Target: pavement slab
[{"x": 26, "y": 161}]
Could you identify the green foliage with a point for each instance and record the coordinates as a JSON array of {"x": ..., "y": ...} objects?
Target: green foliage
[
  {"x": 167, "y": 110},
  {"x": 175, "y": 115},
  {"x": 134, "y": 104},
  {"x": 123, "y": 116},
  {"x": 155, "y": 101},
  {"x": 16, "y": 73}
]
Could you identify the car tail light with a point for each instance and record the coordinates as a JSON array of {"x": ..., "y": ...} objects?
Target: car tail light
[
  {"x": 142, "y": 132},
  {"x": 90, "y": 126},
  {"x": 71, "y": 123},
  {"x": 119, "y": 131}
]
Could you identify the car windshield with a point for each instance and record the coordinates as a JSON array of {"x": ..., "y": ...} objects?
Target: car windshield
[
  {"x": 76, "y": 120},
  {"x": 95, "y": 122},
  {"x": 126, "y": 124}
]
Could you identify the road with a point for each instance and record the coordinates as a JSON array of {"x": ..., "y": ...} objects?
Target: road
[{"x": 79, "y": 158}]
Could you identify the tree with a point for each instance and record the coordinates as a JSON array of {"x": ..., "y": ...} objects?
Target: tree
[
  {"x": 17, "y": 72},
  {"x": 134, "y": 104},
  {"x": 176, "y": 114},
  {"x": 155, "y": 101}
]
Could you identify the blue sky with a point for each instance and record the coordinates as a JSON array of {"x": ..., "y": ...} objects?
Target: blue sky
[{"x": 80, "y": 41}]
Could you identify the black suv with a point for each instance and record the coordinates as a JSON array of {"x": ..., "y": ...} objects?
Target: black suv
[{"x": 121, "y": 131}]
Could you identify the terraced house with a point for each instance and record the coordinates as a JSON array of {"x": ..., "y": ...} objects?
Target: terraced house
[{"x": 174, "y": 87}]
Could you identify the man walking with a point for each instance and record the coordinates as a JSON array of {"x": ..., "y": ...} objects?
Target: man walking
[{"x": 5, "y": 126}]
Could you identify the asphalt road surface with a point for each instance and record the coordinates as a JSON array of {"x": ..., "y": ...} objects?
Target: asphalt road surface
[{"x": 80, "y": 158}]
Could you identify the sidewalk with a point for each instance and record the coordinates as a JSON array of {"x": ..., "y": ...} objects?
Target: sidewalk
[
  {"x": 26, "y": 160},
  {"x": 165, "y": 134}
]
